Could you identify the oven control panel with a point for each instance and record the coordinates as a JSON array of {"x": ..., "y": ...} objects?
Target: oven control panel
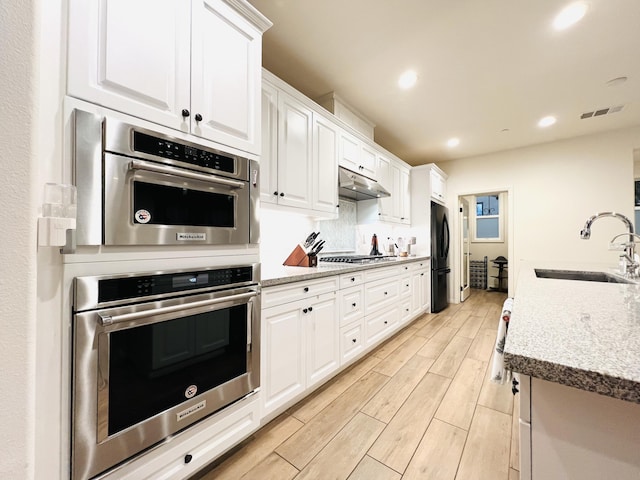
[
  {"x": 118, "y": 288},
  {"x": 170, "y": 149}
]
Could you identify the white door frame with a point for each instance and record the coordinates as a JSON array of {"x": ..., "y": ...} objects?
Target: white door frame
[{"x": 465, "y": 238}]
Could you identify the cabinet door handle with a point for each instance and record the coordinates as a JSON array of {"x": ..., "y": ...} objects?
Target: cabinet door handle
[
  {"x": 185, "y": 113},
  {"x": 282, "y": 194},
  {"x": 275, "y": 193},
  {"x": 198, "y": 117},
  {"x": 422, "y": 274},
  {"x": 306, "y": 289},
  {"x": 304, "y": 310},
  {"x": 353, "y": 340},
  {"x": 311, "y": 309},
  {"x": 385, "y": 322},
  {"x": 386, "y": 293},
  {"x": 353, "y": 304}
]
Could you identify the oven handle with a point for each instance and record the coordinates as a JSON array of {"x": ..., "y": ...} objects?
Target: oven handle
[
  {"x": 107, "y": 320},
  {"x": 151, "y": 167}
]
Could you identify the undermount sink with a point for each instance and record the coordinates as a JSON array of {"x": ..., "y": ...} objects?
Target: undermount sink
[{"x": 581, "y": 275}]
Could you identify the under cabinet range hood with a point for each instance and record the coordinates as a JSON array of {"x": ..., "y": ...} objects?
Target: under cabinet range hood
[{"x": 358, "y": 187}]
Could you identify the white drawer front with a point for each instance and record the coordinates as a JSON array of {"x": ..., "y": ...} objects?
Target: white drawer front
[
  {"x": 377, "y": 325},
  {"x": 351, "y": 279},
  {"x": 291, "y": 292},
  {"x": 381, "y": 294},
  {"x": 351, "y": 341},
  {"x": 405, "y": 286},
  {"x": 413, "y": 266},
  {"x": 351, "y": 304},
  {"x": 380, "y": 273}
]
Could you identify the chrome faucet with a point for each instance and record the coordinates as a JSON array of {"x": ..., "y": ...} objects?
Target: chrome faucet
[{"x": 631, "y": 265}]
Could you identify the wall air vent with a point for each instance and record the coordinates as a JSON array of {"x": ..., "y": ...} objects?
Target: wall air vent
[{"x": 601, "y": 111}]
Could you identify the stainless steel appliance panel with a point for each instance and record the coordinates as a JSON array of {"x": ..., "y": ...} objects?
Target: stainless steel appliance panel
[
  {"x": 110, "y": 154},
  {"x": 112, "y": 420},
  {"x": 122, "y": 228}
]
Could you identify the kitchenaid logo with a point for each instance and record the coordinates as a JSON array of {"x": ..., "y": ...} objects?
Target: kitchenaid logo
[
  {"x": 191, "y": 236},
  {"x": 191, "y": 410}
]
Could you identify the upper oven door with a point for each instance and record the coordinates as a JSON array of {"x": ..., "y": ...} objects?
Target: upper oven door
[{"x": 148, "y": 203}]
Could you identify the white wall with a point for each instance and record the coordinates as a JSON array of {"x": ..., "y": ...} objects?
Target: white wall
[
  {"x": 18, "y": 83},
  {"x": 553, "y": 188}
]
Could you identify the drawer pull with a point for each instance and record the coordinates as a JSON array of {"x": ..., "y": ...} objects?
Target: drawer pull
[
  {"x": 353, "y": 304},
  {"x": 304, "y": 310},
  {"x": 353, "y": 340},
  {"x": 386, "y": 293},
  {"x": 385, "y": 322},
  {"x": 311, "y": 309},
  {"x": 306, "y": 289},
  {"x": 353, "y": 279}
]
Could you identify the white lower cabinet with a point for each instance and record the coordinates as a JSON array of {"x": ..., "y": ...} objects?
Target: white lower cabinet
[
  {"x": 300, "y": 342},
  {"x": 351, "y": 341},
  {"x": 311, "y": 329},
  {"x": 282, "y": 365},
  {"x": 378, "y": 325},
  {"x": 323, "y": 338},
  {"x": 406, "y": 299},
  {"x": 575, "y": 434},
  {"x": 421, "y": 286}
]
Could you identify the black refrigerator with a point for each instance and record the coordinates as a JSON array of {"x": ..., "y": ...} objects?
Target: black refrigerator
[{"x": 440, "y": 240}]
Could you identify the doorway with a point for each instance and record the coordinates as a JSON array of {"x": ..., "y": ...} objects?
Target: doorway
[{"x": 484, "y": 249}]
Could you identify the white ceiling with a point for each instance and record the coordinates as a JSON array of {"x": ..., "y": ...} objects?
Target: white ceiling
[{"x": 484, "y": 66}]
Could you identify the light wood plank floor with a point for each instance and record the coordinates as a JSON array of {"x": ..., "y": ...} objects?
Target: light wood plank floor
[{"x": 420, "y": 406}]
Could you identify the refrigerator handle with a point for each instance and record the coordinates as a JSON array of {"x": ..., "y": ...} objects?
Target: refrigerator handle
[{"x": 445, "y": 235}]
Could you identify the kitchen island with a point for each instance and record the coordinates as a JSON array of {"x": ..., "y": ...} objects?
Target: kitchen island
[{"x": 576, "y": 346}]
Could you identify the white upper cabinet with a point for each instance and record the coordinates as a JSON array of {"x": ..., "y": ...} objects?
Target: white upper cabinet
[
  {"x": 226, "y": 57},
  {"x": 192, "y": 66},
  {"x": 394, "y": 176},
  {"x": 294, "y": 152},
  {"x": 325, "y": 166},
  {"x": 299, "y": 163},
  {"x": 269, "y": 159},
  {"x": 438, "y": 185},
  {"x": 356, "y": 156}
]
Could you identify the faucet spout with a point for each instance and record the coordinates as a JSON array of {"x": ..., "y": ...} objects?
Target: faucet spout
[
  {"x": 629, "y": 255},
  {"x": 585, "y": 233}
]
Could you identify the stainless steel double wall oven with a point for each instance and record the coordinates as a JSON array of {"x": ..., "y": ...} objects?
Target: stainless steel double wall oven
[
  {"x": 142, "y": 187},
  {"x": 155, "y": 353}
]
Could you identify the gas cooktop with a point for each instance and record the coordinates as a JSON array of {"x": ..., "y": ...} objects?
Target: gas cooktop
[{"x": 357, "y": 258}]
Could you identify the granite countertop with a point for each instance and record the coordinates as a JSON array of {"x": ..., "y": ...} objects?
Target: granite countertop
[
  {"x": 577, "y": 333},
  {"x": 280, "y": 274}
]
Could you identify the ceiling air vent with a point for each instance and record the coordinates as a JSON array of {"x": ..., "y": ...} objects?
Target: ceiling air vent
[{"x": 601, "y": 111}]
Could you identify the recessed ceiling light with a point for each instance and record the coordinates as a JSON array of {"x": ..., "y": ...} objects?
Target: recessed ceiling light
[
  {"x": 547, "y": 121},
  {"x": 570, "y": 15},
  {"x": 453, "y": 142},
  {"x": 408, "y": 79}
]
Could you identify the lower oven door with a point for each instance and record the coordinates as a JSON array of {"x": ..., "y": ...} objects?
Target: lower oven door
[
  {"x": 145, "y": 372},
  {"x": 148, "y": 203}
]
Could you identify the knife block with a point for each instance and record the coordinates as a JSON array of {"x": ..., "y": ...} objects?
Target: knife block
[{"x": 298, "y": 258}]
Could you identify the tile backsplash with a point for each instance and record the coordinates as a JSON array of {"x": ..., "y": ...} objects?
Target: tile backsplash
[
  {"x": 340, "y": 234},
  {"x": 281, "y": 231}
]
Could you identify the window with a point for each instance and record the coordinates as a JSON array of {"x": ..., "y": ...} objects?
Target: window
[{"x": 488, "y": 222}]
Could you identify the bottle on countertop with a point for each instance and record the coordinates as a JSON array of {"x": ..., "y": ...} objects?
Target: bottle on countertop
[{"x": 374, "y": 245}]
